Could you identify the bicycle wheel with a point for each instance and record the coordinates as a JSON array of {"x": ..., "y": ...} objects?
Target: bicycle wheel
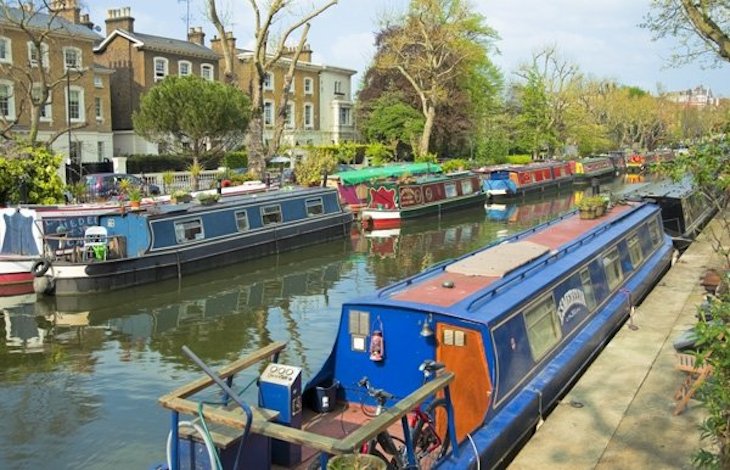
[{"x": 428, "y": 445}]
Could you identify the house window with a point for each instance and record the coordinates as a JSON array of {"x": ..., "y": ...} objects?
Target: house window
[
  {"x": 100, "y": 151},
  {"x": 308, "y": 86},
  {"x": 45, "y": 110},
  {"x": 612, "y": 266},
  {"x": 344, "y": 116},
  {"x": 271, "y": 214},
  {"x": 314, "y": 207},
  {"x": 189, "y": 231},
  {"x": 34, "y": 57},
  {"x": 268, "y": 113},
  {"x": 161, "y": 68},
  {"x": 183, "y": 68},
  {"x": 289, "y": 116},
  {"x": 635, "y": 251},
  {"x": 6, "y": 52},
  {"x": 585, "y": 281},
  {"x": 76, "y": 104},
  {"x": 308, "y": 113},
  {"x": 74, "y": 152},
  {"x": 268, "y": 81},
  {"x": 543, "y": 327},
  {"x": 242, "y": 221},
  {"x": 206, "y": 71},
  {"x": 97, "y": 109},
  {"x": 338, "y": 88},
  {"x": 72, "y": 58},
  {"x": 7, "y": 100},
  {"x": 98, "y": 83}
]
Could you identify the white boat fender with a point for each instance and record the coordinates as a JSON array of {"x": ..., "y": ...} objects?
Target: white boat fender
[
  {"x": 44, "y": 285},
  {"x": 40, "y": 267}
]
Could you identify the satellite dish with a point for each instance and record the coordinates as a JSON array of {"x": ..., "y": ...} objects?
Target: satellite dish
[{"x": 97, "y": 28}]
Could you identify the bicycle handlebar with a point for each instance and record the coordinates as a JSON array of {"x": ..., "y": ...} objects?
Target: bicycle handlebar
[
  {"x": 378, "y": 393},
  {"x": 430, "y": 366}
]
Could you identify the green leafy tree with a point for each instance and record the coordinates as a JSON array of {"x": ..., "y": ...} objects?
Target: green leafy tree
[
  {"x": 312, "y": 169},
  {"x": 393, "y": 122},
  {"x": 190, "y": 115},
  {"x": 533, "y": 130},
  {"x": 29, "y": 174}
]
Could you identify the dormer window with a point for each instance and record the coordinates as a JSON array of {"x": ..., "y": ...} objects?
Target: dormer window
[
  {"x": 34, "y": 57},
  {"x": 206, "y": 71},
  {"x": 308, "y": 86},
  {"x": 268, "y": 81},
  {"x": 161, "y": 68},
  {"x": 184, "y": 68},
  {"x": 72, "y": 58}
]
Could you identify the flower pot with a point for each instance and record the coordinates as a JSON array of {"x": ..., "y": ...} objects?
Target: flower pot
[
  {"x": 588, "y": 213},
  {"x": 599, "y": 210},
  {"x": 356, "y": 462},
  {"x": 135, "y": 204}
]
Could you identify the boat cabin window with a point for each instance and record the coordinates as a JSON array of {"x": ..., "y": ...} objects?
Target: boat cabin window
[
  {"x": 654, "y": 232},
  {"x": 612, "y": 265},
  {"x": 450, "y": 189},
  {"x": 271, "y": 214},
  {"x": 543, "y": 327},
  {"x": 242, "y": 221},
  {"x": 585, "y": 281},
  {"x": 635, "y": 252},
  {"x": 314, "y": 207},
  {"x": 189, "y": 230},
  {"x": 359, "y": 328},
  {"x": 466, "y": 187}
]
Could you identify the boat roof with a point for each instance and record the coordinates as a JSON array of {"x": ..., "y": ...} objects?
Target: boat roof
[
  {"x": 364, "y": 175},
  {"x": 665, "y": 189},
  {"x": 452, "y": 288}
]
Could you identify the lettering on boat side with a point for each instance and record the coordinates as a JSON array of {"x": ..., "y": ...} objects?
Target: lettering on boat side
[{"x": 570, "y": 304}]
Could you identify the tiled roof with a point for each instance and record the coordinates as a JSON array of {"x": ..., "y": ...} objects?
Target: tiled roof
[
  {"x": 176, "y": 46},
  {"x": 42, "y": 21}
]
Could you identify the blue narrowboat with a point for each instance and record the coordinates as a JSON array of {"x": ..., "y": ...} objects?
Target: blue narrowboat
[
  {"x": 519, "y": 181},
  {"x": 173, "y": 240},
  {"x": 513, "y": 325}
]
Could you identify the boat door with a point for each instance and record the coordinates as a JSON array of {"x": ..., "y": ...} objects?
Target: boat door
[{"x": 461, "y": 350}]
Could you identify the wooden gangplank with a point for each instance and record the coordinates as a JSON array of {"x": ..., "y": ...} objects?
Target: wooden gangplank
[{"x": 262, "y": 424}]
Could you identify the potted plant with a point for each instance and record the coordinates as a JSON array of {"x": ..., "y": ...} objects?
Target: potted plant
[
  {"x": 167, "y": 178},
  {"x": 180, "y": 196},
  {"x": 587, "y": 208},
  {"x": 135, "y": 197},
  {"x": 78, "y": 191},
  {"x": 124, "y": 186},
  {"x": 207, "y": 199}
]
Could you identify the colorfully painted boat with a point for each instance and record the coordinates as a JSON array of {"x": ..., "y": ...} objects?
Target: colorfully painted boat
[
  {"x": 390, "y": 202},
  {"x": 618, "y": 158},
  {"x": 514, "y": 324},
  {"x": 173, "y": 240},
  {"x": 354, "y": 185},
  {"x": 519, "y": 181},
  {"x": 592, "y": 167}
]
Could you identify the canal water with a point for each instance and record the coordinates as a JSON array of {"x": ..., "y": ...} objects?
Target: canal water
[{"x": 80, "y": 377}]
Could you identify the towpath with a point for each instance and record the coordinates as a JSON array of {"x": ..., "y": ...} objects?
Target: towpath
[{"x": 620, "y": 413}]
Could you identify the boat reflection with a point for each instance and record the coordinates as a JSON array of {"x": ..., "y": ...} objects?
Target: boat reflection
[{"x": 531, "y": 212}]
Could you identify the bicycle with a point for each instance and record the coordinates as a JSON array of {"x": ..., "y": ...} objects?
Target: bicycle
[
  {"x": 386, "y": 441},
  {"x": 428, "y": 445}
]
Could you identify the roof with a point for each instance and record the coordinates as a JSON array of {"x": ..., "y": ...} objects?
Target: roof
[
  {"x": 351, "y": 177},
  {"x": 42, "y": 21},
  {"x": 160, "y": 44},
  {"x": 661, "y": 189}
]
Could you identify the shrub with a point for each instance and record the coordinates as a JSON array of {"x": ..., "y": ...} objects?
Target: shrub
[
  {"x": 519, "y": 159},
  {"x": 238, "y": 159},
  {"x": 29, "y": 174},
  {"x": 454, "y": 165}
]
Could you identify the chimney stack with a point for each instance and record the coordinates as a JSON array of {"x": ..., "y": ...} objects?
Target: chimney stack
[
  {"x": 215, "y": 43},
  {"x": 67, "y": 9},
  {"x": 196, "y": 36},
  {"x": 119, "y": 18}
]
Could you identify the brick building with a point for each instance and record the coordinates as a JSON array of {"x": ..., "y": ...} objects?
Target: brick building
[
  {"x": 141, "y": 60},
  {"x": 79, "y": 87}
]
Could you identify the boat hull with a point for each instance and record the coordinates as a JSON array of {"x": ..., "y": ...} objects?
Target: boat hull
[
  {"x": 15, "y": 277},
  {"x": 118, "y": 274}
]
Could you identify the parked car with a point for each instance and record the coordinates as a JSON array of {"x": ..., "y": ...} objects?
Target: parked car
[{"x": 106, "y": 185}]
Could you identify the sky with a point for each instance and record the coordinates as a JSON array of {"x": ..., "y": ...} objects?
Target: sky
[{"x": 602, "y": 37}]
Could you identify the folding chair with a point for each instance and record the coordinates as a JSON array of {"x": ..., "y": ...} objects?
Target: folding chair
[
  {"x": 692, "y": 381},
  {"x": 96, "y": 243}
]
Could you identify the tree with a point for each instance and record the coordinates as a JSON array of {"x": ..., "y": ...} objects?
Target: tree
[
  {"x": 434, "y": 44},
  {"x": 39, "y": 22},
  {"x": 29, "y": 174},
  {"x": 533, "y": 126},
  {"x": 267, "y": 52},
  {"x": 392, "y": 121},
  {"x": 702, "y": 27},
  {"x": 193, "y": 115},
  {"x": 229, "y": 54}
]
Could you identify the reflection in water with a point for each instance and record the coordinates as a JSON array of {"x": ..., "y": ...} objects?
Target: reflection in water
[
  {"x": 533, "y": 211},
  {"x": 80, "y": 376}
]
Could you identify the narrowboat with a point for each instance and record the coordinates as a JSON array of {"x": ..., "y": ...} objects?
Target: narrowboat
[
  {"x": 639, "y": 163},
  {"x": 389, "y": 202},
  {"x": 354, "y": 185},
  {"x": 520, "y": 181},
  {"x": 618, "y": 158},
  {"x": 685, "y": 211},
  {"x": 592, "y": 167},
  {"x": 512, "y": 324},
  {"x": 173, "y": 240}
]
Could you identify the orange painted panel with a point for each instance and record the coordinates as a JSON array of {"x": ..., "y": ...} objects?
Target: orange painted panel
[{"x": 471, "y": 390}]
